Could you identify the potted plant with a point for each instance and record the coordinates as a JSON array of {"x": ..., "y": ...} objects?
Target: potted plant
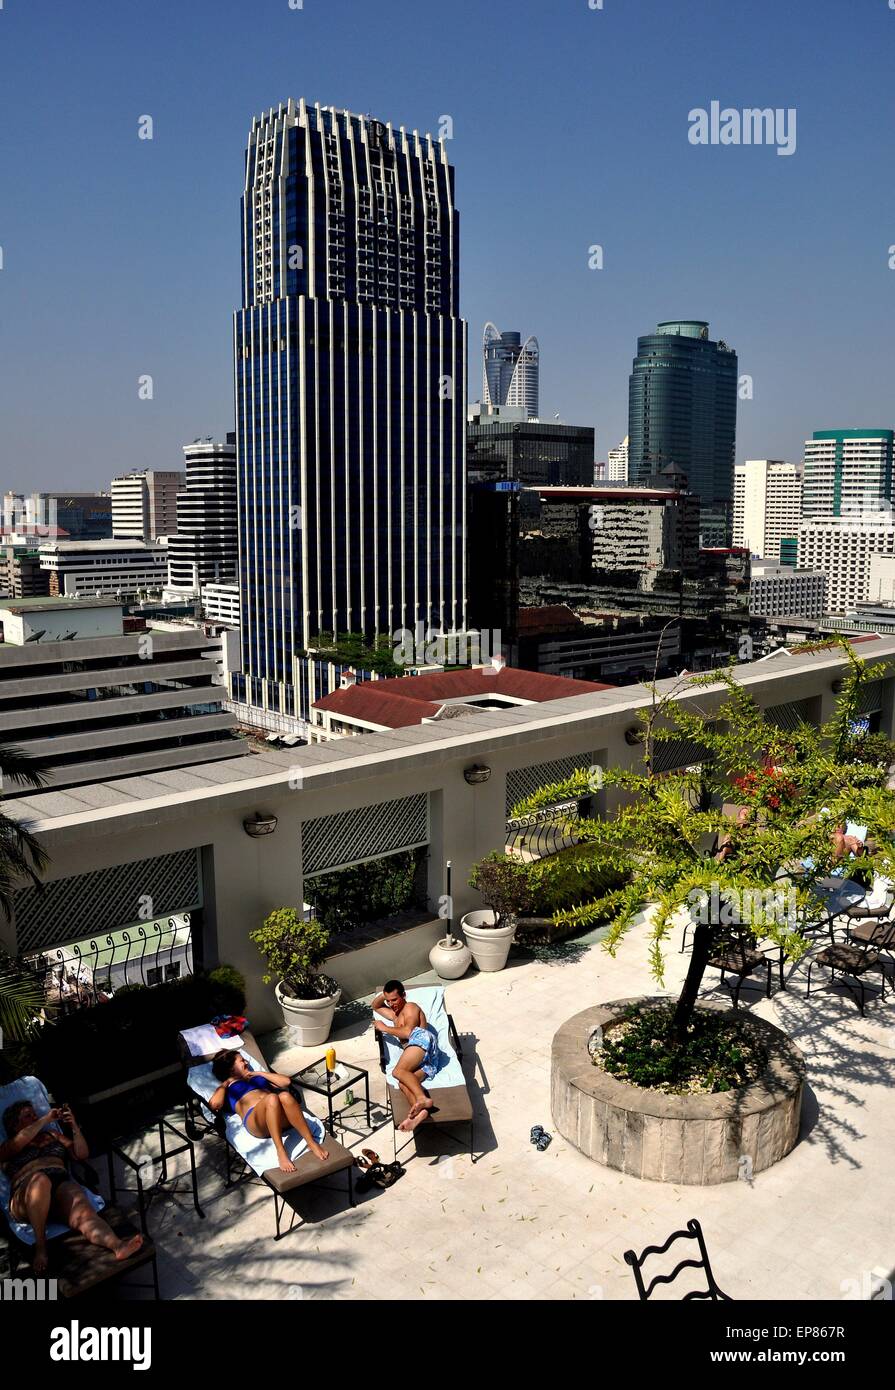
[
  {"x": 504, "y": 885},
  {"x": 293, "y": 950}
]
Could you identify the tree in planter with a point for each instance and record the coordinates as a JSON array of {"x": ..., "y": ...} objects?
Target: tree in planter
[
  {"x": 293, "y": 950},
  {"x": 671, "y": 833},
  {"x": 505, "y": 887}
]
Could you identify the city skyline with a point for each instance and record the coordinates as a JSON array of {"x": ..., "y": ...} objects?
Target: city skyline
[{"x": 154, "y": 301}]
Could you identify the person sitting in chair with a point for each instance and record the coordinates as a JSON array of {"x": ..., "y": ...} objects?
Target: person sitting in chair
[
  {"x": 35, "y": 1158},
  {"x": 419, "y": 1057},
  {"x": 263, "y": 1102}
]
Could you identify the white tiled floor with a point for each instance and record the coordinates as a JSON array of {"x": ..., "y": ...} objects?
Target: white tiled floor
[{"x": 526, "y": 1225}]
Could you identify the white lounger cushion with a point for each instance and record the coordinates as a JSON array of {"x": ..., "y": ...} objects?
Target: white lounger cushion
[{"x": 259, "y": 1154}]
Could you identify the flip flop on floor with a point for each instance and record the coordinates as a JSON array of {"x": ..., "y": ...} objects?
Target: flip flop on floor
[
  {"x": 370, "y": 1155},
  {"x": 388, "y": 1174}
]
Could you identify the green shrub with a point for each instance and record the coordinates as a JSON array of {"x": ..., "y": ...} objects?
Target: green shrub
[
  {"x": 715, "y": 1054},
  {"x": 363, "y": 893},
  {"x": 131, "y": 1034},
  {"x": 505, "y": 885},
  {"x": 293, "y": 950},
  {"x": 571, "y": 877}
]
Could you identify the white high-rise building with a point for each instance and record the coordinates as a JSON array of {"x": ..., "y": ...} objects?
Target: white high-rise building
[
  {"x": 144, "y": 504},
  {"x": 842, "y": 548},
  {"x": 205, "y": 548},
  {"x": 510, "y": 370},
  {"x": 767, "y": 505},
  {"x": 847, "y": 472},
  {"x": 617, "y": 467}
]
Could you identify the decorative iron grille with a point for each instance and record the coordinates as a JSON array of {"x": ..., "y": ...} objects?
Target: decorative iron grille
[
  {"x": 85, "y": 973},
  {"x": 542, "y": 833},
  {"x": 370, "y": 832},
  {"x": 89, "y": 906}
]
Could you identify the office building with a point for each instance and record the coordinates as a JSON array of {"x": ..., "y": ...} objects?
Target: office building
[
  {"x": 682, "y": 410},
  {"x": 842, "y": 548},
  {"x": 617, "y": 464},
  {"x": 767, "y": 506},
  {"x": 119, "y": 568},
  {"x": 778, "y": 591},
  {"x": 204, "y": 549},
  {"x": 350, "y": 367},
  {"x": 77, "y": 516},
  {"x": 510, "y": 371},
  {"x": 20, "y": 573},
  {"x": 99, "y": 703},
  {"x": 144, "y": 504},
  {"x": 847, "y": 473},
  {"x": 504, "y": 445}
]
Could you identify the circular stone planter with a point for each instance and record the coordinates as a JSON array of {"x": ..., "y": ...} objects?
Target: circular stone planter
[{"x": 682, "y": 1139}]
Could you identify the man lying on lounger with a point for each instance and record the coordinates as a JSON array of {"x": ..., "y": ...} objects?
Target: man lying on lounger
[
  {"x": 419, "y": 1057},
  {"x": 35, "y": 1158},
  {"x": 263, "y": 1102}
]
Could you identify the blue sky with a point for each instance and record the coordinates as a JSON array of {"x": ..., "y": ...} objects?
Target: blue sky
[{"x": 121, "y": 256}]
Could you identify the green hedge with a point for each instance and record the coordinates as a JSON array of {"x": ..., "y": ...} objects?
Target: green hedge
[
  {"x": 368, "y": 892},
  {"x": 571, "y": 877},
  {"x": 133, "y": 1033}
]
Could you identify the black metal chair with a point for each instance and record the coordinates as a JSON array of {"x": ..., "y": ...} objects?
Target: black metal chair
[
  {"x": 736, "y": 955},
  {"x": 692, "y": 1232},
  {"x": 851, "y": 960}
]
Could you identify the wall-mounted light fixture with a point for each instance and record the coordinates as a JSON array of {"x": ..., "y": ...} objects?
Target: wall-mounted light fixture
[
  {"x": 259, "y": 825},
  {"x": 633, "y": 736},
  {"x": 476, "y": 774}
]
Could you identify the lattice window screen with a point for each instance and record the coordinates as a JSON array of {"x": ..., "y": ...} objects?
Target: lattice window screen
[
  {"x": 870, "y": 699},
  {"x": 106, "y": 900},
  {"x": 791, "y": 715},
  {"x": 370, "y": 832},
  {"x": 525, "y": 781},
  {"x": 669, "y": 755}
]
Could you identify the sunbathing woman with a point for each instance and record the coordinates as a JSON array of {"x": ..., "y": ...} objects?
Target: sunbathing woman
[
  {"x": 263, "y": 1102},
  {"x": 35, "y": 1158}
]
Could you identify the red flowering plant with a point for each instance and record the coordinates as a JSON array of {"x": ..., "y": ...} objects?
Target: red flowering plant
[{"x": 767, "y": 786}]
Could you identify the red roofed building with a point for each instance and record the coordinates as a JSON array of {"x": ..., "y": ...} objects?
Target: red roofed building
[{"x": 398, "y": 703}]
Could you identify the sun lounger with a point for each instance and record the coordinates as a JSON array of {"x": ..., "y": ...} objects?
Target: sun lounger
[
  {"x": 447, "y": 1087},
  {"x": 75, "y": 1264},
  {"x": 256, "y": 1156}
]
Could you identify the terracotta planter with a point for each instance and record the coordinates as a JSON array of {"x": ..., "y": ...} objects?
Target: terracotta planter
[
  {"x": 310, "y": 1019},
  {"x": 450, "y": 958},
  {"x": 489, "y": 942}
]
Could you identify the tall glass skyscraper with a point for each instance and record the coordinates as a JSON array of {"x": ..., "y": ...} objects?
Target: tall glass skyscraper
[
  {"x": 510, "y": 370},
  {"x": 350, "y": 381},
  {"x": 682, "y": 409}
]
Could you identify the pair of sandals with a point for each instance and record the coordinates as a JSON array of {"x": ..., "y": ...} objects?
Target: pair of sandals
[
  {"x": 540, "y": 1138},
  {"x": 375, "y": 1173}
]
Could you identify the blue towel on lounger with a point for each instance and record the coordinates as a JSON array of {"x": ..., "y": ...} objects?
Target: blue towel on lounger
[{"x": 31, "y": 1089}]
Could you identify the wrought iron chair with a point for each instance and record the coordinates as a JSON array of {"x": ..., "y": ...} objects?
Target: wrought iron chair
[
  {"x": 736, "y": 955},
  {"x": 692, "y": 1232},
  {"x": 851, "y": 960}
]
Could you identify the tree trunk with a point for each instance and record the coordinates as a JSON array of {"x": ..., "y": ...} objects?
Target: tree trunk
[{"x": 703, "y": 935}]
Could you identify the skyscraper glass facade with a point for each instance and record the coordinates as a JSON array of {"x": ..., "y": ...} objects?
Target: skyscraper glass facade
[
  {"x": 682, "y": 409},
  {"x": 350, "y": 380}
]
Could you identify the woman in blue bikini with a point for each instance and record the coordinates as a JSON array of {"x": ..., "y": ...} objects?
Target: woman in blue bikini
[
  {"x": 263, "y": 1102},
  {"x": 419, "y": 1057}
]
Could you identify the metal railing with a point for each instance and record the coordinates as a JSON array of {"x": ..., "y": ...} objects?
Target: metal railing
[
  {"x": 83, "y": 974},
  {"x": 542, "y": 833}
]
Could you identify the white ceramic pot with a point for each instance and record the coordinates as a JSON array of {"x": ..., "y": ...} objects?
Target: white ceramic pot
[
  {"x": 450, "y": 958},
  {"x": 310, "y": 1019},
  {"x": 490, "y": 944}
]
